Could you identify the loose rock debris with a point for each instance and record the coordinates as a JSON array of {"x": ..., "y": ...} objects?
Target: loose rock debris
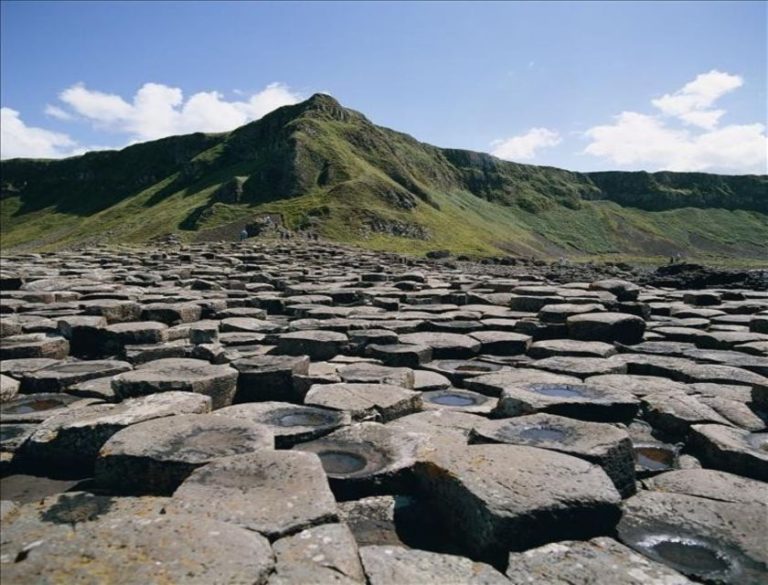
[{"x": 292, "y": 413}]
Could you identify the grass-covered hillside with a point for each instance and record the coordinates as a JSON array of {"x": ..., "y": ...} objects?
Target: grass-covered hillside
[{"x": 327, "y": 169}]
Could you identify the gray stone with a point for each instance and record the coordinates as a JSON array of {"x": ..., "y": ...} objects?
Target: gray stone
[
  {"x": 290, "y": 423},
  {"x": 72, "y": 439},
  {"x": 674, "y": 412},
  {"x": 708, "y": 540},
  {"x": 581, "y": 367},
  {"x": 582, "y": 401},
  {"x": 608, "y": 327},
  {"x": 732, "y": 450},
  {"x": 33, "y": 408},
  {"x": 570, "y": 347},
  {"x": 457, "y": 399},
  {"x": 302, "y": 573},
  {"x": 497, "y": 498},
  {"x": 269, "y": 377},
  {"x": 216, "y": 381},
  {"x": 317, "y": 344},
  {"x": 251, "y": 491},
  {"x": 331, "y": 545},
  {"x": 60, "y": 376},
  {"x": 708, "y": 483},
  {"x": 168, "y": 549},
  {"x": 400, "y": 354},
  {"x": 605, "y": 445},
  {"x": 599, "y": 560},
  {"x": 395, "y": 565},
  {"x": 367, "y": 458},
  {"x": 424, "y": 381},
  {"x": 494, "y": 384},
  {"x": 366, "y": 373},
  {"x": 502, "y": 342},
  {"x": 379, "y": 402},
  {"x": 33, "y": 345},
  {"x": 155, "y": 456},
  {"x": 9, "y": 388},
  {"x": 444, "y": 345}
]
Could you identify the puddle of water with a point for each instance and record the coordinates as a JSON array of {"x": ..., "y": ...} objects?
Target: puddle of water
[
  {"x": 468, "y": 368},
  {"x": 453, "y": 400},
  {"x": 688, "y": 555},
  {"x": 34, "y": 406},
  {"x": 341, "y": 462},
  {"x": 303, "y": 419}
]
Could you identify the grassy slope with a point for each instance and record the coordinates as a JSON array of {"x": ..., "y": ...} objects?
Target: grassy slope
[{"x": 333, "y": 164}]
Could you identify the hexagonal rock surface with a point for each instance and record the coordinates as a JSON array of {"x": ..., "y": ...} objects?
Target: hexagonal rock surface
[
  {"x": 317, "y": 344},
  {"x": 216, "y": 381},
  {"x": 706, "y": 539},
  {"x": 600, "y": 560},
  {"x": 608, "y": 327},
  {"x": 38, "y": 407},
  {"x": 502, "y": 342},
  {"x": 34, "y": 345},
  {"x": 444, "y": 345},
  {"x": 400, "y": 354},
  {"x": 301, "y": 573},
  {"x": 8, "y": 388},
  {"x": 169, "y": 549},
  {"x": 497, "y": 498},
  {"x": 365, "y": 373},
  {"x": 494, "y": 384},
  {"x": 624, "y": 290},
  {"x": 580, "y": 366},
  {"x": 289, "y": 423},
  {"x": 396, "y": 565},
  {"x": 156, "y": 456},
  {"x": 582, "y": 401},
  {"x": 367, "y": 458},
  {"x": 269, "y": 377},
  {"x": 708, "y": 483},
  {"x": 72, "y": 439},
  {"x": 276, "y": 493},
  {"x": 733, "y": 450},
  {"x": 330, "y": 545},
  {"x": 674, "y": 412},
  {"x": 61, "y": 376},
  {"x": 381, "y": 402},
  {"x": 606, "y": 445},
  {"x": 570, "y": 347}
]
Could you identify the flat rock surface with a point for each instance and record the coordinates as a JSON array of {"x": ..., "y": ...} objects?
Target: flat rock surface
[
  {"x": 249, "y": 490},
  {"x": 457, "y": 411}
]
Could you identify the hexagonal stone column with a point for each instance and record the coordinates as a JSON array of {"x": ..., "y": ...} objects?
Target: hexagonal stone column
[
  {"x": 71, "y": 440},
  {"x": 60, "y": 376},
  {"x": 379, "y": 402},
  {"x": 497, "y": 498},
  {"x": 599, "y": 560},
  {"x": 217, "y": 381},
  {"x": 367, "y": 458},
  {"x": 396, "y": 565},
  {"x": 276, "y": 493},
  {"x": 606, "y": 445},
  {"x": 289, "y": 423},
  {"x": 155, "y": 456},
  {"x": 733, "y": 450},
  {"x": 608, "y": 327},
  {"x": 171, "y": 548},
  {"x": 709, "y": 540},
  {"x": 269, "y": 377},
  {"x": 317, "y": 344}
]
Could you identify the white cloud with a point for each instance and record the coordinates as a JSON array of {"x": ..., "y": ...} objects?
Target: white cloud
[
  {"x": 57, "y": 112},
  {"x": 691, "y": 103},
  {"x": 17, "y": 139},
  {"x": 635, "y": 140},
  {"x": 524, "y": 146},
  {"x": 158, "y": 110}
]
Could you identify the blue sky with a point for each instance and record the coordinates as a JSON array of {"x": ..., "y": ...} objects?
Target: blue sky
[{"x": 579, "y": 85}]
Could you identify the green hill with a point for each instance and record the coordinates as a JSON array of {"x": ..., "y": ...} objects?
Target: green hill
[{"x": 327, "y": 169}]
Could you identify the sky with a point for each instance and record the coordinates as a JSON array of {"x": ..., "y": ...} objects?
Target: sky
[{"x": 579, "y": 85}]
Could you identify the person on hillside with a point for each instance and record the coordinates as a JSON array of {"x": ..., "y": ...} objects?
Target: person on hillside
[{"x": 243, "y": 234}]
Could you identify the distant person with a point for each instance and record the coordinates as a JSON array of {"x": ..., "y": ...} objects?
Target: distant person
[{"x": 243, "y": 234}]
